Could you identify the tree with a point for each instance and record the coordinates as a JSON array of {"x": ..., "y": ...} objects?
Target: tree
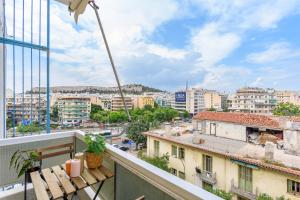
[
  {"x": 135, "y": 131},
  {"x": 287, "y": 109},
  {"x": 54, "y": 115},
  {"x": 148, "y": 107},
  {"x": 160, "y": 162},
  {"x": 95, "y": 108},
  {"x": 186, "y": 114},
  {"x": 212, "y": 109}
]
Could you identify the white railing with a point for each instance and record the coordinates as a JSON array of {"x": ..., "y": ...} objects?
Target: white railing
[{"x": 161, "y": 180}]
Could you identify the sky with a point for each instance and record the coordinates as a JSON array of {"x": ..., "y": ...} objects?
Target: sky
[{"x": 214, "y": 44}]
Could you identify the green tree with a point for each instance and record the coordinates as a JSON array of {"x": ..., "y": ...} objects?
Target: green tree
[
  {"x": 287, "y": 109},
  {"x": 212, "y": 109},
  {"x": 220, "y": 193},
  {"x": 186, "y": 114},
  {"x": 117, "y": 117},
  {"x": 95, "y": 108},
  {"x": 148, "y": 107},
  {"x": 160, "y": 162},
  {"x": 135, "y": 131},
  {"x": 54, "y": 114}
]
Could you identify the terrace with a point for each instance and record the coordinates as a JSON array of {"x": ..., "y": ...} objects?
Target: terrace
[{"x": 133, "y": 178}]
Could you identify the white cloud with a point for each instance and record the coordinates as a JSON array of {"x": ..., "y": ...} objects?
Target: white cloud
[
  {"x": 213, "y": 45},
  {"x": 274, "y": 53}
]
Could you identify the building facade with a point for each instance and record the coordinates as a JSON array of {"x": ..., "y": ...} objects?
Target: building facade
[
  {"x": 212, "y": 99},
  {"x": 253, "y": 100},
  {"x": 73, "y": 110},
  {"x": 288, "y": 97},
  {"x": 29, "y": 109},
  {"x": 140, "y": 102},
  {"x": 244, "y": 178},
  {"x": 117, "y": 103}
]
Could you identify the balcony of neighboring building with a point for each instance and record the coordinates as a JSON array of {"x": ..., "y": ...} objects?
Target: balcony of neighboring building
[
  {"x": 243, "y": 191},
  {"x": 133, "y": 178}
]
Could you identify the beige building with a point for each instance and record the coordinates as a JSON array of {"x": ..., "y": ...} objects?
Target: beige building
[
  {"x": 210, "y": 160},
  {"x": 117, "y": 103},
  {"x": 212, "y": 99},
  {"x": 140, "y": 102},
  {"x": 253, "y": 100},
  {"x": 288, "y": 97},
  {"x": 73, "y": 110}
]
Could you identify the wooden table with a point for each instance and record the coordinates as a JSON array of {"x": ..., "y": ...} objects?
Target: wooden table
[{"x": 54, "y": 183}]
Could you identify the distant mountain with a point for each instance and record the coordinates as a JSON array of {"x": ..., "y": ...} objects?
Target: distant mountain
[{"x": 128, "y": 89}]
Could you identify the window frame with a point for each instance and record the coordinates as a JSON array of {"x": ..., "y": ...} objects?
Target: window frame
[
  {"x": 181, "y": 153},
  {"x": 174, "y": 171},
  {"x": 174, "y": 150},
  {"x": 245, "y": 178},
  {"x": 207, "y": 166},
  {"x": 296, "y": 185},
  {"x": 156, "y": 148}
]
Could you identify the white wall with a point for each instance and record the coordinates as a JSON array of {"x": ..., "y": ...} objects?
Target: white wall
[
  {"x": 2, "y": 79},
  {"x": 228, "y": 130}
]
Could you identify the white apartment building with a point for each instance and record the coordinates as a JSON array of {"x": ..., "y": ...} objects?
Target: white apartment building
[
  {"x": 252, "y": 100},
  {"x": 190, "y": 100},
  {"x": 288, "y": 97},
  {"x": 30, "y": 108},
  {"x": 73, "y": 110}
]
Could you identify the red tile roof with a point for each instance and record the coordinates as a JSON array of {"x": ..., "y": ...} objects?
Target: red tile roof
[{"x": 240, "y": 118}]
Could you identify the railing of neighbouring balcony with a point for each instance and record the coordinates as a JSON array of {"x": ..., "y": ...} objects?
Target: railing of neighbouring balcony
[{"x": 24, "y": 49}]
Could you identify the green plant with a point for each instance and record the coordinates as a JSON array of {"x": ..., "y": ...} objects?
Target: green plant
[
  {"x": 95, "y": 143},
  {"x": 264, "y": 196},
  {"x": 220, "y": 193},
  {"x": 160, "y": 162},
  {"x": 23, "y": 161}
]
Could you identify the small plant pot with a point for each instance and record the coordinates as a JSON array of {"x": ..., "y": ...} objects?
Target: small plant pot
[{"x": 93, "y": 160}]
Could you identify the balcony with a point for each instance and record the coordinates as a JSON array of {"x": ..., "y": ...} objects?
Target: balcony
[
  {"x": 241, "y": 192},
  {"x": 208, "y": 177},
  {"x": 133, "y": 177}
]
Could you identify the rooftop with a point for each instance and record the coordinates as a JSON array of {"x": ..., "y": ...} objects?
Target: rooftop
[{"x": 243, "y": 151}]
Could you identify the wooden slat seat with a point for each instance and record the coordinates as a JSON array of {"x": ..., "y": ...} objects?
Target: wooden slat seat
[
  {"x": 106, "y": 171},
  {"x": 40, "y": 190},
  {"x": 97, "y": 174},
  {"x": 64, "y": 179},
  {"x": 54, "y": 188},
  {"x": 78, "y": 181}
]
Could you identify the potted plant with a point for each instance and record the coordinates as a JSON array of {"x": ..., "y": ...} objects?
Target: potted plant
[
  {"x": 95, "y": 148},
  {"x": 24, "y": 162}
]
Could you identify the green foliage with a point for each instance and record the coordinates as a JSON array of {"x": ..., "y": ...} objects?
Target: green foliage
[
  {"x": 220, "y": 193},
  {"x": 9, "y": 123},
  {"x": 265, "y": 196},
  {"x": 54, "y": 114},
  {"x": 160, "y": 162},
  {"x": 23, "y": 161},
  {"x": 287, "y": 109},
  {"x": 136, "y": 129},
  {"x": 117, "y": 116},
  {"x": 212, "y": 109},
  {"x": 95, "y": 143},
  {"x": 95, "y": 108},
  {"x": 33, "y": 127},
  {"x": 186, "y": 114}
]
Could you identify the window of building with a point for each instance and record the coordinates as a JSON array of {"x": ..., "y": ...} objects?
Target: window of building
[
  {"x": 174, "y": 151},
  {"x": 207, "y": 163},
  {"x": 174, "y": 171},
  {"x": 156, "y": 148},
  {"x": 181, "y": 153},
  {"x": 293, "y": 187},
  {"x": 245, "y": 178},
  {"x": 181, "y": 175},
  {"x": 213, "y": 128}
]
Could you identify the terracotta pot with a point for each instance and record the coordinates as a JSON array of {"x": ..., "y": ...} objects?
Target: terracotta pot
[{"x": 93, "y": 160}]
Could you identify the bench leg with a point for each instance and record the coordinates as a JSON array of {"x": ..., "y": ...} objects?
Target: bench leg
[{"x": 100, "y": 186}]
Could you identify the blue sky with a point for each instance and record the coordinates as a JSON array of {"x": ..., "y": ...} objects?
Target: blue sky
[{"x": 213, "y": 44}]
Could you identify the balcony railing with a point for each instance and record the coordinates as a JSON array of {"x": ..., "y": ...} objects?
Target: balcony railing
[
  {"x": 133, "y": 177},
  {"x": 208, "y": 177},
  {"x": 241, "y": 192}
]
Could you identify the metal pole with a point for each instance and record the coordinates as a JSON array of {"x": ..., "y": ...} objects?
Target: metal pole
[
  {"x": 48, "y": 68},
  {"x": 95, "y": 7}
]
